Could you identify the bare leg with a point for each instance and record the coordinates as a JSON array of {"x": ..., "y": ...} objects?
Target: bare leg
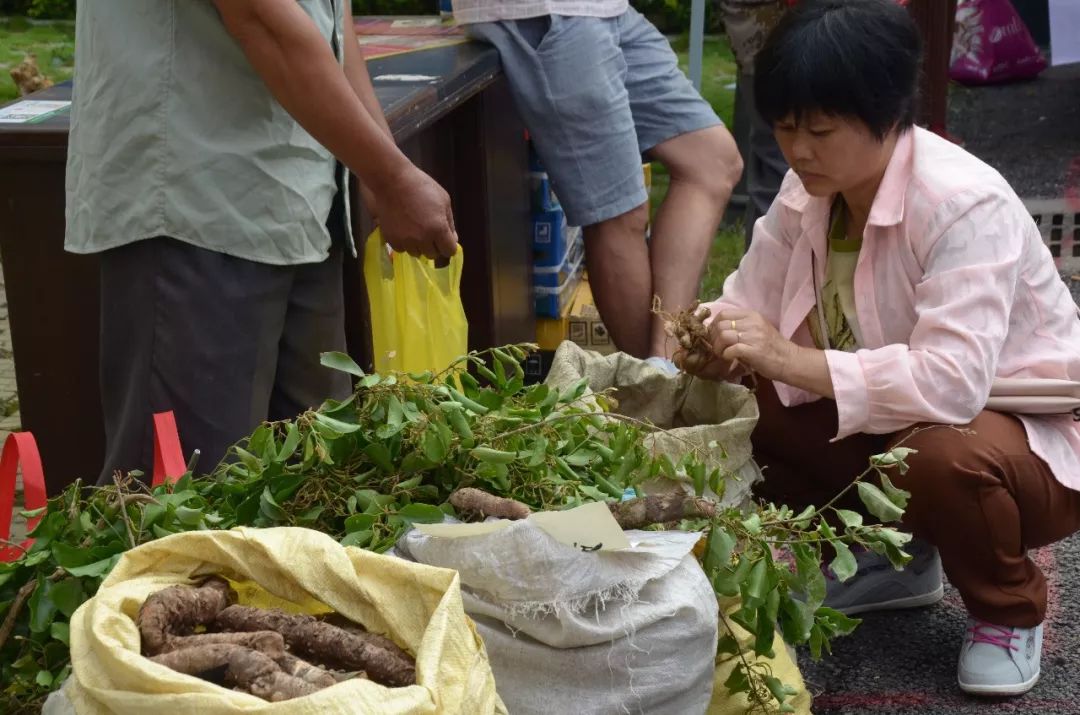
[
  {"x": 617, "y": 258},
  {"x": 704, "y": 166}
]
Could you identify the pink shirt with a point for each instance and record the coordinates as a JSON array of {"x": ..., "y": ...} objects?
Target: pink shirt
[{"x": 954, "y": 287}]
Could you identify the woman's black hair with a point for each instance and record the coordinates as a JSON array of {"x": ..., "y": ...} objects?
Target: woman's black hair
[{"x": 854, "y": 58}]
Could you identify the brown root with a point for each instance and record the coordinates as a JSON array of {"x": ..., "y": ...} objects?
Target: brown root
[
  {"x": 199, "y": 659},
  {"x": 268, "y": 642},
  {"x": 247, "y": 669},
  {"x": 326, "y": 644},
  {"x": 479, "y": 502},
  {"x": 260, "y": 675},
  {"x": 305, "y": 671},
  {"x": 688, "y": 329},
  {"x": 336, "y": 619},
  {"x": 661, "y": 509},
  {"x": 177, "y": 610}
]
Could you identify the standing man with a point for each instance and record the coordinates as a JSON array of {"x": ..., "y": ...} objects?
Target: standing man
[
  {"x": 208, "y": 169},
  {"x": 747, "y": 24},
  {"x": 598, "y": 86}
]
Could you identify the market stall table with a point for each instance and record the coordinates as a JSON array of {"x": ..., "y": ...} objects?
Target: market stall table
[{"x": 451, "y": 112}]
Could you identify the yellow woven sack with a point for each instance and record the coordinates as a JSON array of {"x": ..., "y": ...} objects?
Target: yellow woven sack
[
  {"x": 417, "y": 606},
  {"x": 417, "y": 320},
  {"x": 782, "y": 665}
]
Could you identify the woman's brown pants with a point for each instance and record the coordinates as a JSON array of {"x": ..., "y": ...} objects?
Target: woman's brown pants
[{"x": 982, "y": 499}]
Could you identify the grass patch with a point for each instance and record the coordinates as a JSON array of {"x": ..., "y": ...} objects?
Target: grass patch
[
  {"x": 52, "y": 42},
  {"x": 718, "y": 72}
]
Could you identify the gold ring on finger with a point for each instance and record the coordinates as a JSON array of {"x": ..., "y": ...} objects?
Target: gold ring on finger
[{"x": 733, "y": 326}]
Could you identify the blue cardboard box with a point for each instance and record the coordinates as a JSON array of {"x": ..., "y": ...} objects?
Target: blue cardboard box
[
  {"x": 553, "y": 302},
  {"x": 554, "y": 276},
  {"x": 551, "y": 238}
]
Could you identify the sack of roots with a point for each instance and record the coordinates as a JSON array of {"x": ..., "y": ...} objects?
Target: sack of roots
[
  {"x": 691, "y": 411},
  {"x": 597, "y": 632},
  {"x": 418, "y": 607}
]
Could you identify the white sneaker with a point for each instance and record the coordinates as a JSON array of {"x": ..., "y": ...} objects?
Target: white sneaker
[{"x": 999, "y": 660}]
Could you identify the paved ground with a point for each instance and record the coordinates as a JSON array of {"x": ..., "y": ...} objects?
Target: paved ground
[
  {"x": 9, "y": 400},
  {"x": 905, "y": 663}
]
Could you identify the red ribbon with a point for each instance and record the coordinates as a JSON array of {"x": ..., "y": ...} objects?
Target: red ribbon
[
  {"x": 169, "y": 462},
  {"x": 20, "y": 448}
]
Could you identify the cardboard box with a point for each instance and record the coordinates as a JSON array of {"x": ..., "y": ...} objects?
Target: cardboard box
[{"x": 580, "y": 323}]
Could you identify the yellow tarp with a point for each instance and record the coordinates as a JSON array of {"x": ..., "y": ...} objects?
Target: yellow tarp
[{"x": 417, "y": 606}]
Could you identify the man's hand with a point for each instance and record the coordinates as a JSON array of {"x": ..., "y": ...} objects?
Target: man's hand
[
  {"x": 297, "y": 65},
  {"x": 415, "y": 215}
]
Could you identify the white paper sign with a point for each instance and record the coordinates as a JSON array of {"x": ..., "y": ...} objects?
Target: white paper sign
[
  {"x": 1064, "y": 31},
  {"x": 29, "y": 110},
  {"x": 590, "y": 527}
]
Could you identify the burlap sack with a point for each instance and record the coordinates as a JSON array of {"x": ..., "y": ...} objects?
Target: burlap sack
[{"x": 693, "y": 410}]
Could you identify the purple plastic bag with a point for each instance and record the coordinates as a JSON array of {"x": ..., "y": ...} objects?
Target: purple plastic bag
[{"x": 992, "y": 44}]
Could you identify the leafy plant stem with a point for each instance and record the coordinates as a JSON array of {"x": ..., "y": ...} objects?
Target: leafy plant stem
[{"x": 21, "y": 598}]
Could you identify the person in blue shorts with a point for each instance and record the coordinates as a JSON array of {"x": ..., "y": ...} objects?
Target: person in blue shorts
[{"x": 599, "y": 87}]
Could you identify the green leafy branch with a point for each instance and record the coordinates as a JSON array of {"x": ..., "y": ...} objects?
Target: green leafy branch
[
  {"x": 743, "y": 559},
  {"x": 365, "y": 468}
]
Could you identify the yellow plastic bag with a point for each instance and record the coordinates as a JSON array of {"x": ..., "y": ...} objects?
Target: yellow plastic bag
[
  {"x": 417, "y": 320},
  {"x": 782, "y": 665},
  {"x": 417, "y": 606}
]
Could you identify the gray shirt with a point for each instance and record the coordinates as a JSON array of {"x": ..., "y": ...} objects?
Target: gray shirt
[{"x": 174, "y": 134}]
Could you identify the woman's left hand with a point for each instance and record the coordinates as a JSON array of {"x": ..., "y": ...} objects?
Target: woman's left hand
[{"x": 746, "y": 336}]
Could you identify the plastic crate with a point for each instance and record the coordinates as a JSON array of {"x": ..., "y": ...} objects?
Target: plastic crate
[
  {"x": 552, "y": 238},
  {"x": 555, "y": 276},
  {"x": 552, "y": 302},
  {"x": 1059, "y": 224}
]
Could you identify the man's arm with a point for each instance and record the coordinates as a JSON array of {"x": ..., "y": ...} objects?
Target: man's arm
[
  {"x": 295, "y": 61},
  {"x": 356, "y": 72}
]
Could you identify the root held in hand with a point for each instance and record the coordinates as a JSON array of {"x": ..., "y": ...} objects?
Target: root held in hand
[{"x": 688, "y": 329}]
